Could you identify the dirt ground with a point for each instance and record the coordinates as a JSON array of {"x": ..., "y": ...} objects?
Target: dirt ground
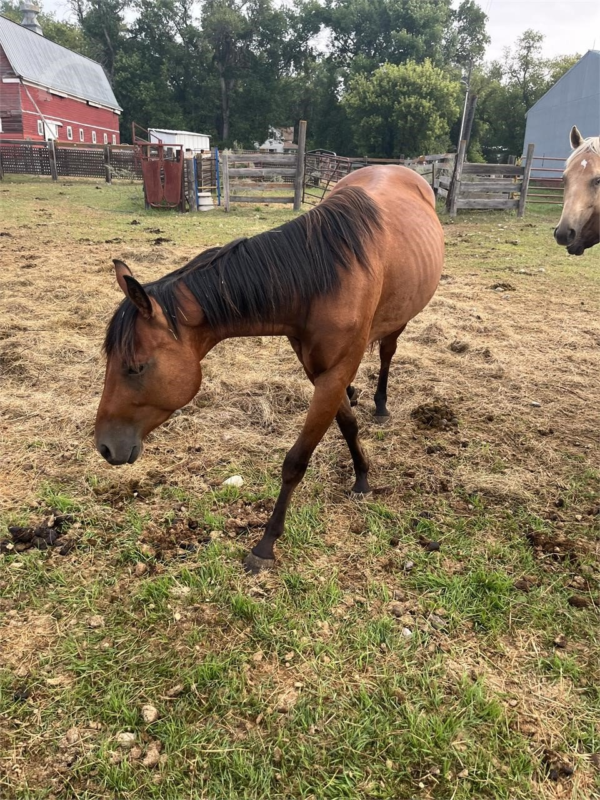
[{"x": 437, "y": 640}]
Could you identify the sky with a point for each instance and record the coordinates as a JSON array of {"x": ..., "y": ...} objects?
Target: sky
[{"x": 570, "y": 26}]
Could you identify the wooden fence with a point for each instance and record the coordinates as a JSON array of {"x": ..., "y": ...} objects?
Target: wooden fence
[
  {"x": 69, "y": 160},
  {"x": 324, "y": 170},
  {"x": 487, "y": 186},
  {"x": 244, "y": 173}
]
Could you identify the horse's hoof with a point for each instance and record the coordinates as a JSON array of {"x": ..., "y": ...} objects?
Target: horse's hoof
[
  {"x": 253, "y": 564},
  {"x": 381, "y": 419}
]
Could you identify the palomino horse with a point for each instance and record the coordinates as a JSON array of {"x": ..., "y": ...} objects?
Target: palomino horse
[
  {"x": 352, "y": 271},
  {"x": 579, "y": 226}
]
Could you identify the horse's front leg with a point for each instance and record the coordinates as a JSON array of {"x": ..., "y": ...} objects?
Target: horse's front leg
[{"x": 330, "y": 388}]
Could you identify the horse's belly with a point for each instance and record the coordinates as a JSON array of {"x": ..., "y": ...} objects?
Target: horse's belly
[{"x": 411, "y": 279}]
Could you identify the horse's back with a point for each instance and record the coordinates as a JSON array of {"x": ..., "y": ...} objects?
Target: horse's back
[{"x": 409, "y": 255}]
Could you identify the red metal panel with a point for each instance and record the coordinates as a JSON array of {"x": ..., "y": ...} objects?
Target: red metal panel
[
  {"x": 152, "y": 184},
  {"x": 162, "y": 176},
  {"x": 173, "y": 174}
]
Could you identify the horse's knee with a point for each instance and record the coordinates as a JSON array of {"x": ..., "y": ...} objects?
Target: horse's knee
[{"x": 294, "y": 467}]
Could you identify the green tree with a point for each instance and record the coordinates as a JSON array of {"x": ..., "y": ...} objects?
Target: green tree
[
  {"x": 103, "y": 25},
  {"x": 402, "y": 109},
  {"x": 367, "y": 33},
  {"x": 467, "y": 37}
]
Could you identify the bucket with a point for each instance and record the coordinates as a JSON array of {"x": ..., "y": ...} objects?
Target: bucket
[{"x": 205, "y": 201}]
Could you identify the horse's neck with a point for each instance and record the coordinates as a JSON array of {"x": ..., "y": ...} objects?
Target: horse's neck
[{"x": 208, "y": 337}]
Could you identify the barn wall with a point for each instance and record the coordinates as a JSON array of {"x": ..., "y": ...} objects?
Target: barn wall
[
  {"x": 573, "y": 100},
  {"x": 10, "y": 101},
  {"x": 69, "y": 111}
]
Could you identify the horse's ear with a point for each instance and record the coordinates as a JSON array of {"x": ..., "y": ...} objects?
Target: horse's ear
[
  {"x": 137, "y": 294},
  {"x": 121, "y": 269},
  {"x": 576, "y": 137},
  {"x": 132, "y": 288}
]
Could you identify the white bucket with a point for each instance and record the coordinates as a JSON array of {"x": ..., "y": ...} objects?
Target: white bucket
[{"x": 205, "y": 201}]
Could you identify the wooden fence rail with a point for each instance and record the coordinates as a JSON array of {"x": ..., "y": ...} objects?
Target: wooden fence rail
[
  {"x": 244, "y": 173},
  {"x": 488, "y": 186}
]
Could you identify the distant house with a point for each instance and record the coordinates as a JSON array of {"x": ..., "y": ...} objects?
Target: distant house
[
  {"x": 573, "y": 100},
  {"x": 280, "y": 139},
  {"x": 50, "y": 92}
]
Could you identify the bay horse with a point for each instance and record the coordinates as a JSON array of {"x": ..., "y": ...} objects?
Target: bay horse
[
  {"x": 351, "y": 271},
  {"x": 579, "y": 226}
]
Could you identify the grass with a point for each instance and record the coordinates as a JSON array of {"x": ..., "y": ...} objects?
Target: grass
[{"x": 365, "y": 666}]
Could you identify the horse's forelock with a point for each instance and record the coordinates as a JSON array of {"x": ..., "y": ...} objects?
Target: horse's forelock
[{"x": 590, "y": 145}]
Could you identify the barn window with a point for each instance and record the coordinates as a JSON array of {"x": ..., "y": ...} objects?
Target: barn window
[
  {"x": 69, "y": 133},
  {"x": 81, "y": 135},
  {"x": 94, "y": 137},
  {"x": 40, "y": 127},
  {"x": 106, "y": 138},
  {"x": 114, "y": 139}
]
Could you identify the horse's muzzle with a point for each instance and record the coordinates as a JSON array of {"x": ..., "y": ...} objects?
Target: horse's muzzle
[
  {"x": 564, "y": 235},
  {"x": 119, "y": 448}
]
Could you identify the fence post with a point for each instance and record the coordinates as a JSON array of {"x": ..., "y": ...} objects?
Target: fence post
[
  {"x": 526, "y": 177},
  {"x": 107, "y": 168},
  {"x": 190, "y": 180},
  {"x": 300, "y": 158},
  {"x": 217, "y": 176},
  {"x": 226, "y": 179},
  {"x": 52, "y": 157},
  {"x": 454, "y": 190}
]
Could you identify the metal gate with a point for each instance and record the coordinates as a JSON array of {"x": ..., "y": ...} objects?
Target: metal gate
[{"x": 162, "y": 171}]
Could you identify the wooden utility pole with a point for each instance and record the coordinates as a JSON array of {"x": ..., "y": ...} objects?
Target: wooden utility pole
[{"x": 454, "y": 191}]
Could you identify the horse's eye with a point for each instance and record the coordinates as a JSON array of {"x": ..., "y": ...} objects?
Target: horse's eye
[
  {"x": 597, "y": 181},
  {"x": 136, "y": 369}
]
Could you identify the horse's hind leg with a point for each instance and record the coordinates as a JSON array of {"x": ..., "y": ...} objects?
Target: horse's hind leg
[
  {"x": 348, "y": 425},
  {"x": 387, "y": 348}
]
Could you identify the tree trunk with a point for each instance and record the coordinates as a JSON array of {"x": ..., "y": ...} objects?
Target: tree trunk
[{"x": 224, "y": 108}]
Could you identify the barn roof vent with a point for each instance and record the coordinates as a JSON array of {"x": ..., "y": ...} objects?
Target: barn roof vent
[{"x": 30, "y": 11}]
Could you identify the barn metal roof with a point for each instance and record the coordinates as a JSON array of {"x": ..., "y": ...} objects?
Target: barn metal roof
[{"x": 53, "y": 66}]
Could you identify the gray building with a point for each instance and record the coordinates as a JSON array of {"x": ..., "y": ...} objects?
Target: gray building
[{"x": 573, "y": 100}]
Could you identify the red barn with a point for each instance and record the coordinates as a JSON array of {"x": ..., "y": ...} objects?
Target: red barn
[{"x": 50, "y": 92}]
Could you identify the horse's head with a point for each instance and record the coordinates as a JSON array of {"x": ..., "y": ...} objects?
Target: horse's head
[
  {"x": 579, "y": 226},
  {"x": 151, "y": 371}
]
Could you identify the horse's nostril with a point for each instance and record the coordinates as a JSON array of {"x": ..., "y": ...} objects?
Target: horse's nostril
[
  {"x": 571, "y": 236},
  {"x": 105, "y": 452}
]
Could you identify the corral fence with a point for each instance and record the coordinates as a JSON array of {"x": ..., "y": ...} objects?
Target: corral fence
[
  {"x": 69, "y": 160},
  {"x": 546, "y": 184},
  {"x": 487, "y": 186},
  {"x": 246, "y": 176},
  {"x": 323, "y": 170}
]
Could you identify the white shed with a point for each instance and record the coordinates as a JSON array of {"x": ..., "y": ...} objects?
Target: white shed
[{"x": 189, "y": 140}]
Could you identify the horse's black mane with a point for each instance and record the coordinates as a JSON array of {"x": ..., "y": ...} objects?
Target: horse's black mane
[{"x": 254, "y": 279}]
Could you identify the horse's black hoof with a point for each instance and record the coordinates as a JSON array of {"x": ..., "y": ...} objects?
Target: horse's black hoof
[
  {"x": 253, "y": 564},
  {"x": 381, "y": 419}
]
